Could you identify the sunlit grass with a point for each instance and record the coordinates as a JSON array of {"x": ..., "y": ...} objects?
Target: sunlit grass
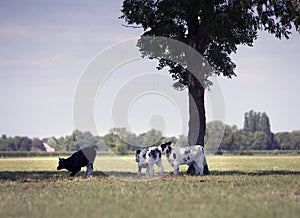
[{"x": 128, "y": 164}]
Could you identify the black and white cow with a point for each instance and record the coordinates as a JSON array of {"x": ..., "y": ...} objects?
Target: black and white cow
[
  {"x": 192, "y": 155},
  {"x": 146, "y": 158},
  {"x": 81, "y": 158}
]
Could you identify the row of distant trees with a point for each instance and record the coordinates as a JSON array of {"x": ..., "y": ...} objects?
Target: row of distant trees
[
  {"x": 118, "y": 140},
  {"x": 255, "y": 135}
]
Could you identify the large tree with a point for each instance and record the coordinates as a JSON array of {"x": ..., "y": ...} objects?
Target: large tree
[{"x": 214, "y": 28}]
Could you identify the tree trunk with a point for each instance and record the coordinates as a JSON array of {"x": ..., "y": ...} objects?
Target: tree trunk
[{"x": 197, "y": 122}]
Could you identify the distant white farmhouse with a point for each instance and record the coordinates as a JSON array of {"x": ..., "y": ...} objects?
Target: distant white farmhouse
[{"x": 48, "y": 147}]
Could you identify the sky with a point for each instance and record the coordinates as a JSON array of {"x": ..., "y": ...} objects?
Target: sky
[{"x": 47, "y": 46}]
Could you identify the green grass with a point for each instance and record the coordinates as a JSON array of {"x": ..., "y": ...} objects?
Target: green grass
[{"x": 237, "y": 187}]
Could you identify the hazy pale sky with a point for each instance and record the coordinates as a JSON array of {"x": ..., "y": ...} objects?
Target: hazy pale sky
[{"x": 46, "y": 45}]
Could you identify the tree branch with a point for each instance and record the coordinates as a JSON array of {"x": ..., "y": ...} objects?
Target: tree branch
[{"x": 132, "y": 26}]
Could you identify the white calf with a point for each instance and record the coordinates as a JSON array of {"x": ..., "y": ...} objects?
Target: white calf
[
  {"x": 146, "y": 158},
  {"x": 190, "y": 155}
]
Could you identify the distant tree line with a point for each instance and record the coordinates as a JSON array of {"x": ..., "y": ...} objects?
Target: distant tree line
[
  {"x": 118, "y": 140},
  {"x": 255, "y": 135}
]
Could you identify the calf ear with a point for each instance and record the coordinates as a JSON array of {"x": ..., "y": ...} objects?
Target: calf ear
[
  {"x": 59, "y": 158},
  {"x": 137, "y": 152}
]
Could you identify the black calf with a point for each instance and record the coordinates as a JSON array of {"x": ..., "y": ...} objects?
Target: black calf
[{"x": 81, "y": 158}]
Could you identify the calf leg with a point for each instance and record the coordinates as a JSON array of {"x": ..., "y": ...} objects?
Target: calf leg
[
  {"x": 201, "y": 171},
  {"x": 160, "y": 166},
  {"x": 74, "y": 172},
  {"x": 198, "y": 168},
  {"x": 203, "y": 165},
  {"x": 147, "y": 171},
  {"x": 89, "y": 170},
  {"x": 151, "y": 169},
  {"x": 176, "y": 169},
  {"x": 139, "y": 170}
]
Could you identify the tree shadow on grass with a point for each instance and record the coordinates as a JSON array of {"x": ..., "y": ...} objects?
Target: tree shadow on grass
[
  {"x": 31, "y": 176},
  {"x": 256, "y": 173},
  {"x": 120, "y": 174},
  {"x": 38, "y": 176}
]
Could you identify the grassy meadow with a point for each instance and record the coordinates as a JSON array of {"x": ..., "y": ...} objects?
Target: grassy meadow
[{"x": 239, "y": 186}]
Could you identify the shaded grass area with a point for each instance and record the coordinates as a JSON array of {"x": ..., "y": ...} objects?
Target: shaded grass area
[
  {"x": 237, "y": 187},
  {"x": 36, "y": 176},
  {"x": 28, "y": 176}
]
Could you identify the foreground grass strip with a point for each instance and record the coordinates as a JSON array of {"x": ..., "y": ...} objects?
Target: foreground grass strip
[{"x": 237, "y": 187}]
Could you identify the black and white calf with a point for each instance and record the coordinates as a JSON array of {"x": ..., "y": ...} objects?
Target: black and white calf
[
  {"x": 192, "y": 155},
  {"x": 146, "y": 158},
  {"x": 81, "y": 158}
]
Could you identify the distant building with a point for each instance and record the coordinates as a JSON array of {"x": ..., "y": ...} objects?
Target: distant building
[{"x": 48, "y": 147}]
